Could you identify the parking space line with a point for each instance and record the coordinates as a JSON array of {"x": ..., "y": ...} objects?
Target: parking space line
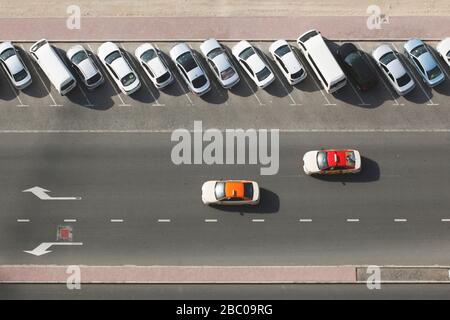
[
  {"x": 108, "y": 76},
  {"x": 144, "y": 76},
  {"x": 418, "y": 81},
  {"x": 42, "y": 80},
  {"x": 275, "y": 70},
  {"x": 164, "y": 220},
  {"x": 176, "y": 75},
  {"x": 23, "y": 220},
  {"x": 375, "y": 69}
]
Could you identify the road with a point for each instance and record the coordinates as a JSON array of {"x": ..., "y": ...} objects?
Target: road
[{"x": 130, "y": 176}]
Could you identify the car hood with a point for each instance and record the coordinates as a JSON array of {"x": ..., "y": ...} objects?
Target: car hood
[
  {"x": 208, "y": 194},
  {"x": 310, "y": 161}
]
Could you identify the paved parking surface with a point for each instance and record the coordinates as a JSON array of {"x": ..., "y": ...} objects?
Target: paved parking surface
[{"x": 303, "y": 107}]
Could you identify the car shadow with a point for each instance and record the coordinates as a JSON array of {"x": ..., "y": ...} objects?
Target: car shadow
[
  {"x": 34, "y": 90},
  {"x": 370, "y": 172},
  {"x": 269, "y": 203},
  {"x": 7, "y": 93},
  {"x": 178, "y": 87}
]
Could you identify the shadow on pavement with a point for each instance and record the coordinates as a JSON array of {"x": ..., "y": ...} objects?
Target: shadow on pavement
[
  {"x": 269, "y": 203},
  {"x": 370, "y": 172}
]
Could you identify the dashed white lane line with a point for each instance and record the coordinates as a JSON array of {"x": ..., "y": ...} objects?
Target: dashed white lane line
[
  {"x": 305, "y": 220},
  {"x": 400, "y": 220},
  {"x": 258, "y": 220},
  {"x": 116, "y": 220},
  {"x": 210, "y": 220},
  {"x": 352, "y": 220},
  {"x": 164, "y": 220},
  {"x": 445, "y": 220},
  {"x": 70, "y": 220},
  {"x": 108, "y": 77},
  {"x": 23, "y": 220},
  {"x": 45, "y": 86}
]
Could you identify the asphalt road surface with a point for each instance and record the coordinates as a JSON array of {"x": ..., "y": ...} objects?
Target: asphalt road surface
[{"x": 400, "y": 201}]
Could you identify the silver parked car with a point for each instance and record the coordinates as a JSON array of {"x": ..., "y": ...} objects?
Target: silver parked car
[
  {"x": 85, "y": 67},
  {"x": 424, "y": 62},
  {"x": 13, "y": 65}
]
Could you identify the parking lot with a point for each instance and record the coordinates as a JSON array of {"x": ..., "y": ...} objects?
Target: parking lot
[{"x": 303, "y": 107}]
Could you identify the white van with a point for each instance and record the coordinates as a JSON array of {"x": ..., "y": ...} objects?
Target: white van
[
  {"x": 322, "y": 61},
  {"x": 53, "y": 67}
]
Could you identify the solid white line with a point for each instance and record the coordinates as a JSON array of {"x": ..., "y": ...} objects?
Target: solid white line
[
  {"x": 210, "y": 220},
  {"x": 70, "y": 220},
  {"x": 258, "y": 220},
  {"x": 305, "y": 220},
  {"x": 23, "y": 220},
  {"x": 144, "y": 77},
  {"x": 163, "y": 220},
  {"x": 419, "y": 82},
  {"x": 116, "y": 220},
  {"x": 400, "y": 220},
  {"x": 352, "y": 220},
  {"x": 45, "y": 86},
  {"x": 108, "y": 76}
]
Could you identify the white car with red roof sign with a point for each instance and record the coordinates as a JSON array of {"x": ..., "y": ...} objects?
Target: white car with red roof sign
[{"x": 332, "y": 161}]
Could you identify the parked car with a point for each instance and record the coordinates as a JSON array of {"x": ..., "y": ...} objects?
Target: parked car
[
  {"x": 287, "y": 62},
  {"x": 253, "y": 64},
  {"x": 154, "y": 65},
  {"x": 332, "y": 162},
  {"x": 424, "y": 62},
  {"x": 14, "y": 67},
  {"x": 119, "y": 68},
  {"x": 230, "y": 192},
  {"x": 85, "y": 67},
  {"x": 219, "y": 62},
  {"x": 393, "y": 68},
  {"x": 190, "y": 69},
  {"x": 443, "y": 48},
  {"x": 357, "y": 66}
]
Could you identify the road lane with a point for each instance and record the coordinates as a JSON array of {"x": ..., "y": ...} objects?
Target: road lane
[{"x": 131, "y": 177}]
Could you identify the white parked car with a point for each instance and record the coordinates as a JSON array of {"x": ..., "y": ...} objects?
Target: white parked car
[
  {"x": 253, "y": 64},
  {"x": 190, "y": 68},
  {"x": 220, "y": 64},
  {"x": 85, "y": 67},
  {"x": 118, "y": 67},
  {"x": 394, "y": 70},
  {"x": 287, "y": 61},
  {"x": 443, "y": 48},
  {"x": 13, "y": 65},
  {"x": 230, "y": 192},
  {"x": 154, "y": 65}
]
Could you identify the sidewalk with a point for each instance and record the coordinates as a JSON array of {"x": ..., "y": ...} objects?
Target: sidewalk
[{"x": 222, "y": 28}]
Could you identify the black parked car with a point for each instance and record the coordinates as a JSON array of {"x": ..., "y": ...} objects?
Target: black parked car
[{"x": 357, "y": 66}]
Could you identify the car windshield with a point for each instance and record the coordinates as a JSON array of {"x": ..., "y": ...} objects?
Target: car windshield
[
  {"x": 227, "y": 74},
  {"x": 148, "y": 55},
  {"x": 247, "y": 53},
  {"x": 298, "y": 74},
  {"x": 163, "y": 78},
  {"x": 263, "y": 74},
  {"x": 94, "y": 79},
  {"x": 434, "y": 73},
  {"x": 388, "y": 58},
  {"x": 128, "y": 79},
  {"x": 352, "y": 57},
  {"x": 199, "y": 81},
  {"x": 214, "y": 53},
  {"x": 7, "y": 54},
  {"x": 19, "y": 76},
  {"x": 418, "y": 51},
  {"x": 112, "y": 56},
  {"x": 403, "y": 80},
  {"x": 248, "y": 190},
  {"x": 281, "y": 51},
  {"x": 78, "y": 57},
  {"x": 219, "y": 190},
  {"x": 322, "y": 162},
  {"x": 187, "y": 61}
]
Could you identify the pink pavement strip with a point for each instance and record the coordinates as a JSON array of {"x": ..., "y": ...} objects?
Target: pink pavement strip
[
  {"x": 180, "y": 274},
  {"x": 222, "y": 28}
]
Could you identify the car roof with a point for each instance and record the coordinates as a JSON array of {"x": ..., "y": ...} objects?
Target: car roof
[
  {"x": 88, "y": 68},
  {"x": 256, "y": 63},
  {"x": 396, "y": 68},
  {"x": 427, "y": 61},
  {"x": 291, "y": 62},
  {"x": 222, "y": 62},
  {"x": 121, "y": 67}
]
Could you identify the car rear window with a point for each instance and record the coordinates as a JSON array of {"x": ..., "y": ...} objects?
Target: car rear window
[
  {"x": 79, "y": 57},
  {"x": 403, "y": 80},
  {"x": 94, "y": 79},
  {"x": 199, "y": 81},
  {"x": 263, "y": 74},
  {"x": 19, "y": 76},
  {"x": 434, "y": 73},
  {"x": 67, "y": 85},
  {"x": 388, "y": 58},
  {"x": 297, "y": 74},
  {"x": 163, "y": 78},
  {"x": 281, "y": 51},
  {"x": 248, "y": 190},
  {"x": 227, "y": 74}
]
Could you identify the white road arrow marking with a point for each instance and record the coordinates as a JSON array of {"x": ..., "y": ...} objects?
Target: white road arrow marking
[
  {"x": 41, "y": 193},
  {"x": 42, "y": 248}
]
